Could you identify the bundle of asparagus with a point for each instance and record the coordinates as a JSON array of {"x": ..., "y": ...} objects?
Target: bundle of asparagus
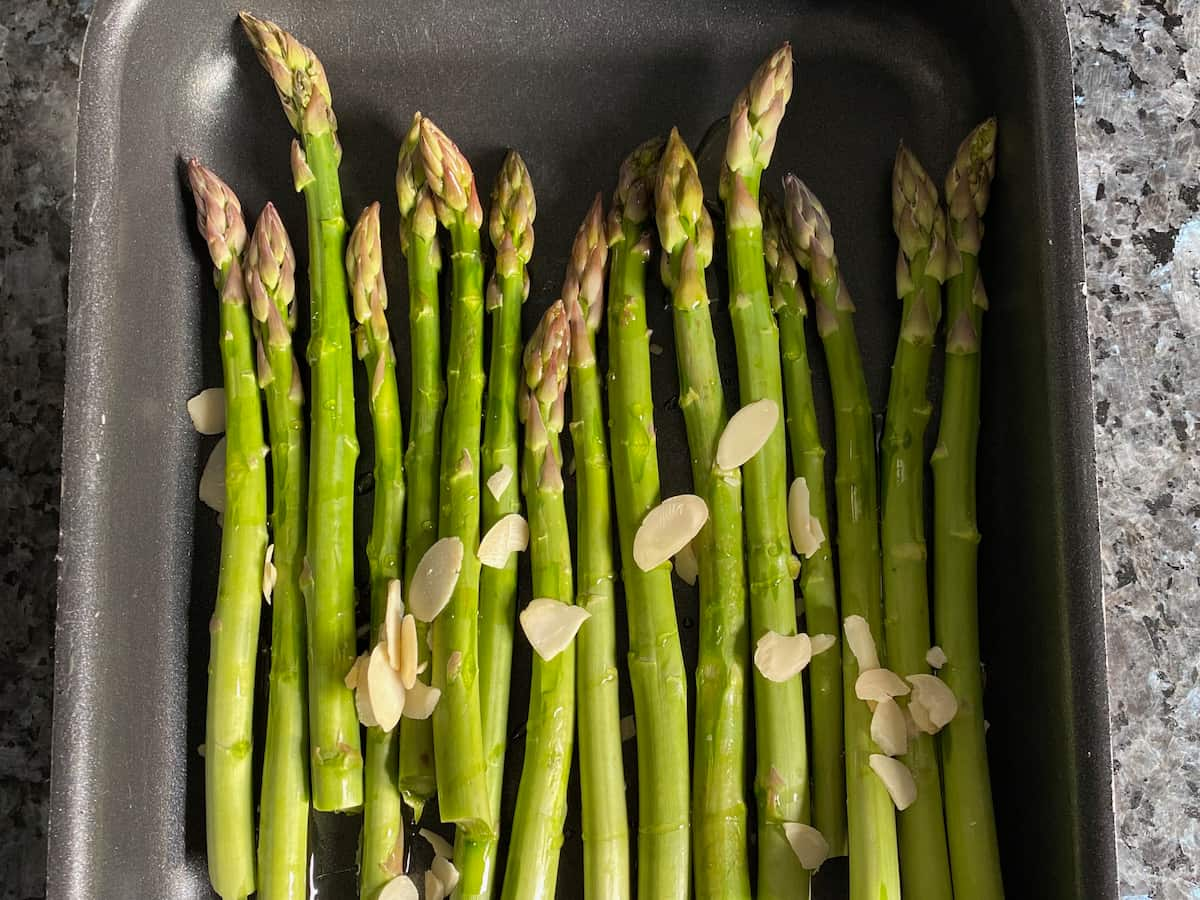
[{"x": 913, "y": 811}]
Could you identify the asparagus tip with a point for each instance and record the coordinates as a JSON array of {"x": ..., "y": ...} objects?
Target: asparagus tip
[
  {"x": 757, "y": 113},
  {"x": 364, "y": 267},
  {"x": 270, "y": 275},
  {"x": 298, "y": 75},
  {"x": 633, "y": 198},
  {"x": 218, "y": 214},
  {"x": 968, "y": 184},
  {"x": 514, "y": 208},
  {"x": 583, "y": 287},
  {"x": 917, "y": 220},
  {"x": 546, "y": 364},
  {"x": 449, "y": 176}
]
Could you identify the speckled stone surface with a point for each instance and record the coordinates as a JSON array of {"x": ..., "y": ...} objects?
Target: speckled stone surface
[{"x": 1137, "y": 84}]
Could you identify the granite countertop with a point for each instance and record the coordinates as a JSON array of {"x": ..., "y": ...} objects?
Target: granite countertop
[{"x": 1137, "y": 74}]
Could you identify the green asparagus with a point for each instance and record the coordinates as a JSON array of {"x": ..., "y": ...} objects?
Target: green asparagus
[
  {"x": 382, "y": 844},
  {"x": 511, "y": 229},
  {"x": 537, "y": 828},
  {"x": 333, "y": 733},
  {"x": 875, "y": 866},
  {"x": 818, "y": 586},
  {"x": 601, "y": 776},
  {"x": 718, "y": 804},
  {"x": 781, "y": 779},
  {"x": 920, "y": 226},
  {"x": 970, "y": 822},
  {"x": 418, "y": 241},
  {"x": 656, "y": 669},
  {"x": 283, "y": 823},
  {"x": 229, "y": 805}
]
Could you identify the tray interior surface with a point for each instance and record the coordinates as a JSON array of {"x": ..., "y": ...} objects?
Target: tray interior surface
[{"x": 573, "y": 87}]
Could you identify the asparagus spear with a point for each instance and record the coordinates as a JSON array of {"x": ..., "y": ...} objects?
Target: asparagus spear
[
  {"x": 781, "y": 779},
  {"x": 457, "y": 723},
  {"x": 418, "y": 241},
  {"x": 655, "y": 658},
  {"x": 537, "y": 828},
  {"x": 602, "y": 779},
  {"x": 718, "y": 805},
  {"x": 382, "y": 843},
  {"x": 817, "y": 582},
  {"x": 511, "y": 229},
  {"x": 875, "y": 867},
  {"x": 333, "y": 733},
  {"x": 283, "y": 823},
  {"x": 229, "y": 806},
  {"x": 970, "y": 822},
  {"x": 920, "y": 225}
]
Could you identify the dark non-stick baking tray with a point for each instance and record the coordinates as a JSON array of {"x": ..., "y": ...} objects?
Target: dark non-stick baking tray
[{"x": 573, "y": 86}]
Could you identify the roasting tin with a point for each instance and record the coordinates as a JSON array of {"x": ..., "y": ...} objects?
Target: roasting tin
[{"x": 574, "y": 86}]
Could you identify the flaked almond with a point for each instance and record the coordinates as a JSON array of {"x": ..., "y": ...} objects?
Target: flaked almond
[
  {"x": 393, "y": 617},
  {"x": 384, "y": 688},
  {"x": 212, "y": 479},
  {"x": 879, "y": 684},
  {"x": 446, "y": 873},
  {"x": 441, "y": 847},
  {"x": 807, "y": 534},
  {"x": 207, "y": 410},
  {"x": 434, "y": 889},
  {"x": 399, "y": 888},
  {"x": 434, "y": 580},
  {"x": 408, "y": 651},
  {"x": 888, "y": 728},
  {"x": 779, "y": 657},
  {"x": 420, "y": 700},
  {"x": 918, "y": 715},
  {"x": 687, "y": 567},
  {"x": 270, "y": 575},
  {"x": 362, "y": 704},
  {"x": 934, "y": 697},
  {"x": 896, "y": 778},
  {"x": 355, "y": 674},
  {"x": 499, "y": 481},
  {"x": 509, "y": 535},
  {"x": 808, "y": 844},
  {"x": 936, "y": 657},
  {"x": 667, "y": 529},
  {"x": 550, "y": 625},
  {"x": 821, "y": 642},
  {"x": 861, "y": 642},
  {"x": 746, "y": 432}
]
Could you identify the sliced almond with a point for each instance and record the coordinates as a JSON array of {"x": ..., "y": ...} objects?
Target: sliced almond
[
  {"x": 779, "y": 657},
  {"x": 687, "y": 567},
  {"x": 393, "y": 617},
  {"x": 207, "y": 410},
  {"x": 807, "y": 534},
  {"x": 499, "y": 481},
  {"x": 879, "y": 684},
  {"x": 936, "y": 657},
  {"x": 551, "y": 625},
  {"x": 808, "y": 844},
  {"x": 434, "y": 580},
  {"x": 399, "y": 888},
  {"x": 919, "y": 716},
  {"x": 746, "y": 432},
  {"x": 212, "y": 479},
  {"x": 355, "y": 674},
  {"x": 446, "y": 873},
  {"x": 935, "y": 699},
  {"x": 509, "y": 535},
  {"x": 441, "y": 847},
  {"x": 821, "y": 642},
  {"x": 269, "y": 573},
  {"x": 667, "y": 529},
  {"x": 408, "y": 651},
  {"x": 862, "y": 643},
  {"x": 896, "y": 778},
  {"x": 362, "y": 704},
  {"x": 420, "y": 700},
  {"x": 434, "y": 889},
  {"x": 385, "y": 689},
  {"x": 888, "y": 728}
]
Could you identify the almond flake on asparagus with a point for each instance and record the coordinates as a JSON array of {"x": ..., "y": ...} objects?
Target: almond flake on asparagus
[
  {"x": 550, "y": 625},
  {"x": 212, "y": 479},
  {"x": 420, "y": 700},
  {"x": 779, "y": 657},
  {"x": 896, "y": 778},
  {"x": 687, "y": 567},
  {"x": 861, "y": 642},
  {"x": 399, "y": 888},
  {"x": 408, "y": 651},
  {"x": 746, "y": 432},
  {"x": 889, "y": 730},
  {"x": 808, "y": 844},
  {"x": 207, "y": 410},
  {"x": 356, "y": 669},
  {"x": 821, "y": 642},
  {"x": 807, "y": 534},
  {"x": 879, "y": 684},
  {"x": 385, "y": 689},
  {"x": 509, "y": 535},
  {"x": 434, "y": 889},
  {"x": 667, "y": 529},
  {"x": 393, "y": 618},
  {"x": 441, "y": 847},
  {"x": 935, "y": 700},
  {"x": 435, "y": 578},
  {"x": 446, "y": 873},
  {"x": 270, "y": 574},
  {"x": 499, "y": 481},
  {"x": 936, "y": 657}
]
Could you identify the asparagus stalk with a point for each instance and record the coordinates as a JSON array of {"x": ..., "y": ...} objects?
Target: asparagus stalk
[
  {"x": 601, "y": 776},
  {"x": 537, "y": 828},
  {"x": 457, "y": 722},
  {"x": 718, "y": 804},
  {"x": 333, "y": 733},
  {"x": 283, "y": 822},
  {"x": 382, "y": 843},
  {"x": 970, "y": 822},
  {"x": 920, "y": 225},
  {"x": 817, "y": 583},
  {"x": 418, "y": 241},
  {"x": 781, "y": 780},
  {"x": 511, "y": 230},
  {"x": 875, "y": 867},
  {"x": 656, "y": 669},
  {"x": 229, "y": 805}
]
